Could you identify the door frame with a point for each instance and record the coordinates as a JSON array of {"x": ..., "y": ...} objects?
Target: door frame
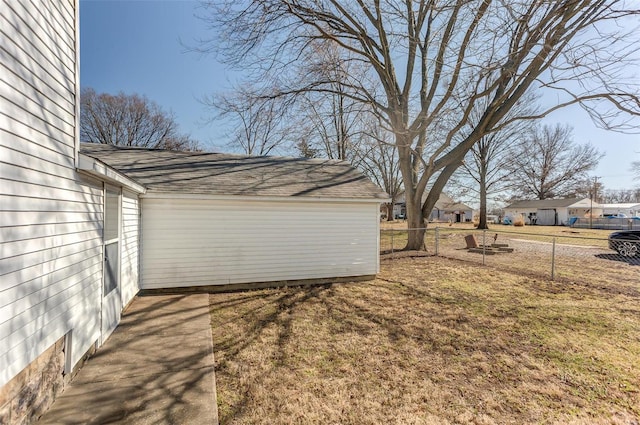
[{"x": 112, "y": 299}]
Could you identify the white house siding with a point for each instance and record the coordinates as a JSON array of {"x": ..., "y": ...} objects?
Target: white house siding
[
  {"x": 563, "y": 216},
  {"x": 50, "y": 217},
  {"x": 465, "y": 215},
  {"x": 514, "y": 212},
  {"x": 191, "y": 242},
  {"x": 129, "y": 249},
  {"x": 550, "y": 216},
  {"x": 630, "y": 210}
]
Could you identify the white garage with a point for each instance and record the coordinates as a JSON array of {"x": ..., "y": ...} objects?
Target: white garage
[
  {"x": 553, "y": 212},
  {"x": 217, "y": 219}
]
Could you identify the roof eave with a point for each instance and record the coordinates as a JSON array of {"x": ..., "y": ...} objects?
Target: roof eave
[
  {"x": 206, "y": 196},
  {"x": 99, "y": 169}
]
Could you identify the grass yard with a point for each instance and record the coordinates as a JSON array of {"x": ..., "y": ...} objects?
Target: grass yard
[
  {"x": 431, "y": 341},
  {"x": 559, "y": 231},
  {"x": 395, "y": 233}
]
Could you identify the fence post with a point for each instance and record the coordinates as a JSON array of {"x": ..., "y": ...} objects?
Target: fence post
[
  {"x": 553, "y": 259},
  {"x": 437, "y": 240},
  {"x": 484, "y": 245}
]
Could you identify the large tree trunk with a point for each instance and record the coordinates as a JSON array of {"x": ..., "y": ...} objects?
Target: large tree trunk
[
  {"x": 417, "y": 227},
  {"x": 413, "y": 200},
  {"x": 415, "y": 220},
  {"x": 482, "y": 224},
  {"x": 426, "y": 208}
]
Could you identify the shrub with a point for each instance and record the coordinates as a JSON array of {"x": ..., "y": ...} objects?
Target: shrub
[{"x": 518, "y": 220}]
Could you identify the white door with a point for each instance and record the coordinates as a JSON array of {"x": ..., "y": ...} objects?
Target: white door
[{"x": 111, "y": 300}]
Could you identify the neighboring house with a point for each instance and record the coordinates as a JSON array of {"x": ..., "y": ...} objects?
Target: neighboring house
[
  {"x": 628, "y": 209},
  {"x": 493, "y": 218},
  {"x": 445, "y": 209},
  {"x": 553, "y": 212},
  {"x": 217, "y": 219},
  {"x": 70, "y": 227},
  {"x": 399, "y": 210}
]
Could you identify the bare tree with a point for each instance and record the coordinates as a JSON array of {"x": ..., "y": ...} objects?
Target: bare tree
[
  {"x": 589, "y": 187},
  {"x": 305, "y": 150},
  {"x": 378, "y": 159},
  {"x": 330, "y": 121},
  {"x": 429, "y": 62},
  {"x": 485, "y": 170},
  {"x": 612, "y": 196},
  {"x": 129, "y": 120},
  {"x": 550, "y": 164},
  {"x": 259, "y": 122},
  {"x": 330, "y": 124},
  {"x": 487, "y": 166}
]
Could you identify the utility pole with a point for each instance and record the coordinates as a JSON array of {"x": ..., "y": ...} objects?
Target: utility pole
[{"x": 593, "y": 194}]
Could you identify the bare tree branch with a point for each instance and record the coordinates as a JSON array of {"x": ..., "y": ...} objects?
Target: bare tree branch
[
  {"x": 431, "y": 66},
  {"x": 129, "y": 120},
  {"x": 550, "y": 164}
]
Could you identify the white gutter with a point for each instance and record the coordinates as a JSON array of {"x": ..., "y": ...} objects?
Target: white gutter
[
  {"x": 101, "y": 170},
  {"x": 257, "y": 198}
]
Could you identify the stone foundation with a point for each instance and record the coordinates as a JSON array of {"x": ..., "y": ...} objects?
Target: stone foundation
[{"x": 29, "y": 394}]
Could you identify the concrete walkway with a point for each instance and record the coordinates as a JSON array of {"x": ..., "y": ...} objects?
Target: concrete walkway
[{"x": 156, "y": 368}]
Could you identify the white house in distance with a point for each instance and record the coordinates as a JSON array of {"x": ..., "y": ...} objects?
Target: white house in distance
[
  {"x": 553, "y": 212},
  {"x": 445, "y": 209},
  {"x": 82, "y": 232},
  {"x": 628, "y": 209}
]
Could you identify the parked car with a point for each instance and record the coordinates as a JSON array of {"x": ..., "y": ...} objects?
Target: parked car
[
  {"x": 626, "y": 242},
  {"x": 619, "y": 215}
]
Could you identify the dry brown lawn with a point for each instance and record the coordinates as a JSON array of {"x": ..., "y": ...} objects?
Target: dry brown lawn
[
  {"x": 563, "y": 234},
  {"x": 430, "y": 341},
  {"x": 541, "y": 230}
]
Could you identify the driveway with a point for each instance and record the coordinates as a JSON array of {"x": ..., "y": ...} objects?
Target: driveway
[{"x": 156, "y": 368}]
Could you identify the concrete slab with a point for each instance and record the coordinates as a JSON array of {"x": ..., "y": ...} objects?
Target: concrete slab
[{"x": 156, "y": 368}]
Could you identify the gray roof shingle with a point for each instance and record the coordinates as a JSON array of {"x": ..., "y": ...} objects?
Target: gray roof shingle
[{"x": 164, "y": 171}]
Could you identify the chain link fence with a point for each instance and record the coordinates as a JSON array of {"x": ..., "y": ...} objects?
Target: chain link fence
[
  {"x": 571, "y": 257},
  {"x": 611, "y": 223}
]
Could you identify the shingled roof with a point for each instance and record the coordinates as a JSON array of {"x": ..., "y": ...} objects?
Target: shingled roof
[
  {"x": 545, "y": 203},
  {"x": 163, "y": 171}
]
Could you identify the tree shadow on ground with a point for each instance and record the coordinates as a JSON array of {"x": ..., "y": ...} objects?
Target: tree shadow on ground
[
  {"x": 156, "y": 367},
  {"x": 272, "y": 311}
]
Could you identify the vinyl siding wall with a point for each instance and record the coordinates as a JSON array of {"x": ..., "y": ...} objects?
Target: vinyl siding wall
[
  {"x": 514, "y": 212},
  {"x": 129, "y": 246},
  {"x": 50, "y": 217},
  {"x": 190, "y": 242}
]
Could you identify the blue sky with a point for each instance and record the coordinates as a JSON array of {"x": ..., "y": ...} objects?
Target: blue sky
[{"x": 137, "y": 46}]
